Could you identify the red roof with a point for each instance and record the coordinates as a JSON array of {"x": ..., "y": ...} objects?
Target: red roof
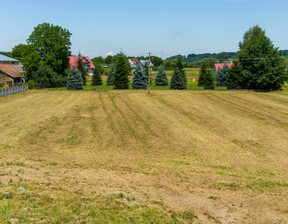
[
  {"x": 85, "y": 59},
  {"x": 10, "y": 70},
  {"x": 134, "y": 60},
  {"x": 221, "y": 65}
]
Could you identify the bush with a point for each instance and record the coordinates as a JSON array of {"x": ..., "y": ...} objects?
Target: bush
[{"x": 31, "y": 84}]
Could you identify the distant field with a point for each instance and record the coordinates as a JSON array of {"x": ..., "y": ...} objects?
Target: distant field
[{"x": 126, "y": 157}]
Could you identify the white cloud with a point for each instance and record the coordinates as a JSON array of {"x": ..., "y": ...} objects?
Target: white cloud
[{"x": 110, "y": 53}]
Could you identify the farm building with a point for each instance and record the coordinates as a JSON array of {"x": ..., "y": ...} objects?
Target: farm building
[
  {"x": 10, "y": 71},
  {"x": 86, "y": 61},
  {"x": 133, "y": 62}
]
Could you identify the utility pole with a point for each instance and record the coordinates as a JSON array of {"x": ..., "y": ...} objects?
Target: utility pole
[{"x": 149, "y": 76}]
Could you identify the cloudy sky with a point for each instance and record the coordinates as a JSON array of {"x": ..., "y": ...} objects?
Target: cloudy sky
[{"x": 163, "y": 27}]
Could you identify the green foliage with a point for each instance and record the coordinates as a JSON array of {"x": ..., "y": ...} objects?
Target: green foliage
[
  {"x": 108, "y": 60},
  {"x": 234, "y": 77},
  {"x": 177, "y": 80},
  {"x": 222, "y": 74},
  {"x": 98, "y": 61},
  {"x": 161, "y": 78},
  {"x": 44, "y": 77},
  {"x": 210, "y": 62},
  {"x": 180, "y": 66},
  {"x": 52, "y": 43},
  {"x": 263, "y": 66},
  {"x": 110, "y": 79},
  {"x": 31, "y": 84},
  {"x": 139, "y": 78},
  {"x": 122, "y": 70},
  {"x": 81, "y": 68},
  {"x": 206, "y": 78},
  {"x": 96, "y": 79},
  {"x": 74, "y": 79}
]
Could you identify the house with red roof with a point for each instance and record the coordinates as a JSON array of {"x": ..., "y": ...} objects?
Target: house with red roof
[
  {"x": 10, "y": 71},
  {"x": 220, "y": 65},
  {"x": 88, "y": 64}
]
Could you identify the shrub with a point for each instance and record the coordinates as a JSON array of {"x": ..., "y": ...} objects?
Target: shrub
[{"x": 31, "y": 84}]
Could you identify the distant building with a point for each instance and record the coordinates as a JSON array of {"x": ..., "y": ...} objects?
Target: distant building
[
  {"x": 133, "y": 62},
  {"x": 86, "y": 61},
  {"x": 220, "y": 65},
  {"x": 10, "y": 71}
]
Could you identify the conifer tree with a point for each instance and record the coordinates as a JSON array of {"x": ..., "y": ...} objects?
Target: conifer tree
[
  {"x": 110, "y": 79},
  {"x": 96, "y": 78},
  {"x": 234, "y": 78},
  {"x": 74, "y": 81},
  {"x": 161, "y": 78},
  {"x": 177, "y": 80},
  {"x": 180, "y": 66},
  {"x": 222, "y": 75},
  {"x": 122, "y": 70},
  {"x": 81, "y": 68},
  {"x": 206, "y": 78},
  {"x": 139, "y": 78}
]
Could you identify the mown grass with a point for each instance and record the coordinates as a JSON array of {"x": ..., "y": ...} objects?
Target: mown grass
[{"x": 128, "y": 157}]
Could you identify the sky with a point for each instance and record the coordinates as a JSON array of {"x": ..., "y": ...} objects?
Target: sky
[{"x": 162, "y": 27}]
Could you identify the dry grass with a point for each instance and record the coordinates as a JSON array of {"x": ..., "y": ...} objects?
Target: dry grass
[{"x": 124, "y": 156}]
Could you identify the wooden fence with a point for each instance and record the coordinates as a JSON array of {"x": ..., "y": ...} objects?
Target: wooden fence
[{"x": 13, "y": 90}]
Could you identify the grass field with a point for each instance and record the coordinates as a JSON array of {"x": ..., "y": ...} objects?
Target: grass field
[{"x": 126, "y": 157}]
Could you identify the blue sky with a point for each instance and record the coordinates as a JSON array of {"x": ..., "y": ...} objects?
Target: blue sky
[{"x": 163, "y": 27}]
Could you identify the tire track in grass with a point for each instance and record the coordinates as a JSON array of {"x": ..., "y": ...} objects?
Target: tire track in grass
[
  {"x": 139, "y": 116},
  {"x": 112, "y": 123},
  {"x": 131, "y": 130},
  {"x": 256, "y": 111}
]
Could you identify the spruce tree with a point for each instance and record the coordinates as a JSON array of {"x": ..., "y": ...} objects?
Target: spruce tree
[
  {"x": 110, "y": 79},
  {"x": 202, "y": 74},
  {"x": 122, "y": 70},
  {"x": 74, "y": 79},
  {"x": 222, "y": 75},
  {"x": 177, "y": 80},
  {"x": 139, "y": 78},
  {"x": 206, "y": 78},
  {"x": 180, "y": 66},
  {"x": 234, "y": 78},
  {"x": 81, "y": 68},
  {"x": 96, "y": 78},
  {"x": 161, "y": 78},
  {"x": 262, "y": 63}
]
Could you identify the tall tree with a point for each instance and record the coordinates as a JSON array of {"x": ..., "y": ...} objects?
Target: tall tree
[
  {"x": 122, "y": 70},
  {"x": 177, "y": 80},
  {"x": 263, "y": 66},
  {"x": 180, "y": 66},
  {"x": 206, "y": 78},
  {"x": 234, "y": 77},
  {"x": 74, "y": 81},
  {"x": 110, "y": 78},
  {"x": 96, "y": 78},
  {"x": 139, "y": 78},
  {"x": 161, "y": 78},
  {"x": 81, "y": 68},
  {"x": 108, "y": 60},
  {"x": 52, "y": 43}
]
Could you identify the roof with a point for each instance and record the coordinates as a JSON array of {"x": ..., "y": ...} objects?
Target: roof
[
  {"x": 85, "y": 59},
  {"x": 5, "y": 58},
  {"x": 10, "y": 70},
  {"x": 143, "y": 62},
  {"x": 133, "y": 61},
  {"x": 221, "y": 65}
]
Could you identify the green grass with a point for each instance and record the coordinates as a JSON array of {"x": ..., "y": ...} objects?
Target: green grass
[{"x": 190, "y": 86}]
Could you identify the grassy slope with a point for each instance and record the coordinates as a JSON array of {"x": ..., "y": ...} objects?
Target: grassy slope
[{"x": 124, "y": 156}]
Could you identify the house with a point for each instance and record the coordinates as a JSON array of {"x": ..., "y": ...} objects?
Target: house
[
  {"x": 220, "y": 65},
  {"x": 133, "y": 62},
  {"x": 86, "y": 61},
  {"x": 10, "y": 71}
]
